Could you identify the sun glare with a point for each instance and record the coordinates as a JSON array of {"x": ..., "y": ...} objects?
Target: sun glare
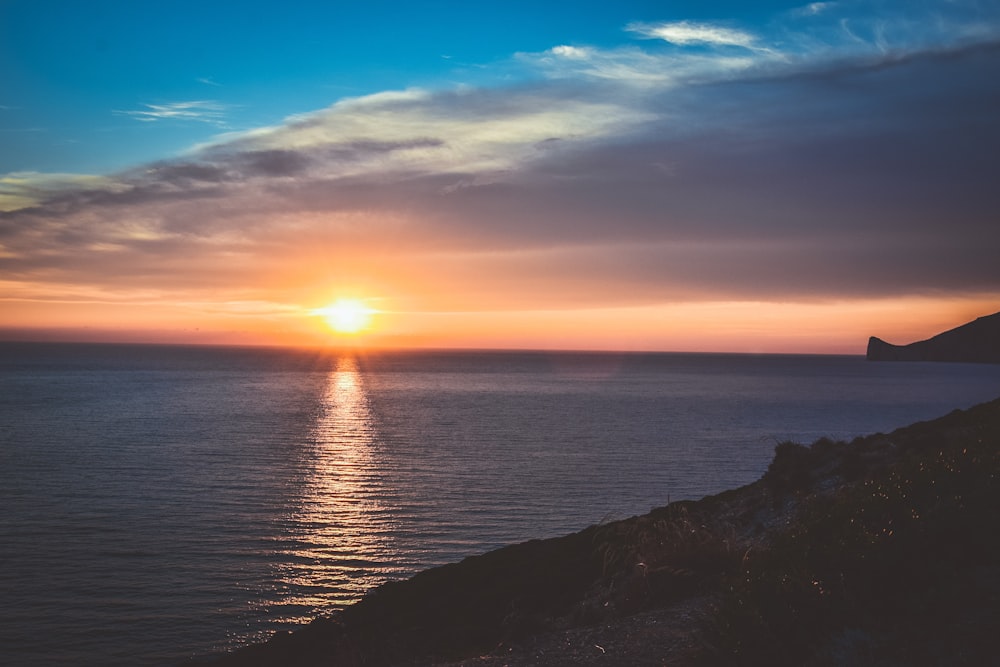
[{"x": 347, "y": 316}]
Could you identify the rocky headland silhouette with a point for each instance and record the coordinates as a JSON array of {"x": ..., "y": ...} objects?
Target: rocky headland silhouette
[{"x": 977, "y": 341}]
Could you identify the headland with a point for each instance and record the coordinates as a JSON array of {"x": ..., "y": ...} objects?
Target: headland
[{"x": 976, "y": 342}]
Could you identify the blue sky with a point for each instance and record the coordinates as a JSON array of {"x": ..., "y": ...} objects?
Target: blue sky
[
  {"x": 90, "y": 86},
  {"x": 648, "y": 158},
  {"x": 72, "y": 68}
]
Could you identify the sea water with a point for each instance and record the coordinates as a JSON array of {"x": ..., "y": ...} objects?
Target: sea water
[{"x": 159, "y": 502}]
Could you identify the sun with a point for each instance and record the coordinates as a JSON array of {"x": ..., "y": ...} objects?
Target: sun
[{"x": 347, "y": 316}]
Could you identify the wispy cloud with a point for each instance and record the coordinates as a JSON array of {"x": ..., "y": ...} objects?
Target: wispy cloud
[
  {"x": 814, "y": 8},
  {"x": 419, "y": 131},
  {"x": 27, "y": 188},
  {"x": 202, "y": 111},
  {"x": 632, "y": 66},
  {"x": 572, "y": 52},
  {"x": 684, "y": 33}
]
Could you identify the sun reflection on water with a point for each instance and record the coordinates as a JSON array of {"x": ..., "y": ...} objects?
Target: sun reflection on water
[{"x": 340, "y": 541}]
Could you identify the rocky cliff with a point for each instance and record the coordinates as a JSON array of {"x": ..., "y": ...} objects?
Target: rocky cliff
[{"x": 977, "y": 341}]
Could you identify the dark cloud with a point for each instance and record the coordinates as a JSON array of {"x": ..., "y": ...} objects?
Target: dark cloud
[
  {"x": 821, "y": 157},
  {"x": 355, "y": 151},
  {"x": 868, "y": 178},
  {"x": 184, "y": 173},
  {"x": 273, "y": 163}
]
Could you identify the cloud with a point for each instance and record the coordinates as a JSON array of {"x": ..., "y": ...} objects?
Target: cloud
[
  {"x": 684, "y": 33},
  {"x": 614, "y": 176},
  {"x": 417, "y": 131},
  {"x": 201, "y": 111},
  {"x": 572, "y": 52},
  {"x": 27, "y": 188},
  {"x": 637, "y": 68},
  {"x": 814, "y": 8}
]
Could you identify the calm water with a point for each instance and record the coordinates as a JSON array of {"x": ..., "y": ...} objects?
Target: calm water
[{"x": 163, "y": 502}]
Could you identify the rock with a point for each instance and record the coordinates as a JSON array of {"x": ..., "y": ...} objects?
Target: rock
[{"x": 978, "y": 342}]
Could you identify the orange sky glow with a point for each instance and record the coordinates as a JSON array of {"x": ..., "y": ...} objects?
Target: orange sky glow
[
  {"x": 711, "y": 326},
  {"x": 795, "y": 184}
]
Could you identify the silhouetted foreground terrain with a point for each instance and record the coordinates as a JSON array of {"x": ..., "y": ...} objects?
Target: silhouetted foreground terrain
[
  {"x": 977, "y": 341},
  {"x": 882, "y": 551}
]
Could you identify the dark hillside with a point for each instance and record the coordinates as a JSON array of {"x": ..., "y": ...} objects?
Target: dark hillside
[
  {"x": 882, "y": 551},
  {"x": 901, "y": 567}
]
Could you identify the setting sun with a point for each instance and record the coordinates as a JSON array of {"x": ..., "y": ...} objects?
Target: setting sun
[{"x": 348, "y": 316}]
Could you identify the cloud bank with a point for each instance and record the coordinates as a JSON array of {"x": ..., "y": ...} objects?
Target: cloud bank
[{"x": 851, "y": 159}]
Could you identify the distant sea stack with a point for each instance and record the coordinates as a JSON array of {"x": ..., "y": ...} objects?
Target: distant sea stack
[{"x": 977, "y": 341}]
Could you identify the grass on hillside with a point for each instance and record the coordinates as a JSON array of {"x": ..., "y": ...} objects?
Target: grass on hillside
[{"x": 902, "y": 568}]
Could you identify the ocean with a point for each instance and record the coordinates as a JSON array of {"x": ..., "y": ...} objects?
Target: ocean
[{"x": 161, "y": 502}]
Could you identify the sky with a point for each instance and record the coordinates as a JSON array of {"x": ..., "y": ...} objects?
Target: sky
[{"x": 688, "y": 176}]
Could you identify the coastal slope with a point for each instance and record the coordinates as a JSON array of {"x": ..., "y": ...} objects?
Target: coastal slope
[
  {"x": 882, "y": 550},
  {"x": 976, "y": 341}
]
